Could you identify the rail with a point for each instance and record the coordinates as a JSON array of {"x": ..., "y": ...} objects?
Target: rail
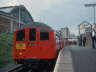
[{"x": 15, "y": 68}]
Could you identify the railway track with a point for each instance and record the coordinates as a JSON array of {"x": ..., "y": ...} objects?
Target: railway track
[
  {"x": 27, "y": 68},
  {"x": 20, "y": 68},
  {"x": 16, "y": 68}
]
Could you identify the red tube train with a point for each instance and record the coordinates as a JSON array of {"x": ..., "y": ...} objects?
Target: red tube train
[{"x": 36, "y": 44}]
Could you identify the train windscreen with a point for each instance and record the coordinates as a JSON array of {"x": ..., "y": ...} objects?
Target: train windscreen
[
  {"x": 32, "y": 34},
  {"x": 20, "y": 35}
]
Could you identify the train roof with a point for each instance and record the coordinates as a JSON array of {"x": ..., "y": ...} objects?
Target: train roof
[{"x": 39, "y": 24}]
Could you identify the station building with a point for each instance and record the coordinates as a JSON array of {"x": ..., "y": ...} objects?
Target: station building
[
  {"x": 85, "y": 33},
  {"x": 14, "y": 17},
  {"x": 65, "y": 33}
]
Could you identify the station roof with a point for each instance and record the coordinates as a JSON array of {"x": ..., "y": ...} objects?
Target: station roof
[
  {"x": 17, "y": 12},
  {"x": 7, "y": 16}
]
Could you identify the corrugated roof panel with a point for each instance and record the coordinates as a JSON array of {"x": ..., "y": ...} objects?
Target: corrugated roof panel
[{"x": 7, "y": 10}]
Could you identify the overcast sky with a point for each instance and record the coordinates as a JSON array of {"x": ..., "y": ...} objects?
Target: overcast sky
[{"x": 57, "y": 13}]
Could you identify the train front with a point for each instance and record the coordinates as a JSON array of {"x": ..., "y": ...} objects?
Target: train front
[{"x": 35, "y": 43}]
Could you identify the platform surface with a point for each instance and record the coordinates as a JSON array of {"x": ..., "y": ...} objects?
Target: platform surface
[
  {"x": 76, "y": 59},
  {"x": 64, "y": 61}
]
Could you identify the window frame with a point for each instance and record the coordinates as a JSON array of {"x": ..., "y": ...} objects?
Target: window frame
[
  {"x": 46, "y": 32},
  {"x": 24, "y": 35},
  {"x": 29, "y": 34}
]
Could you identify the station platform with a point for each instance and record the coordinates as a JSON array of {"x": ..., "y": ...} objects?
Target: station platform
[
  {"x": 76, "y": 59},
  {"x": 64, "y": 61}
]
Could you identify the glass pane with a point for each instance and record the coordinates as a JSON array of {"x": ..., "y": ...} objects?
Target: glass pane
[
  {"x": 20, "y": 36},
  {"x": 32, "y": 34},
  {"x": 44, "y": 35}
]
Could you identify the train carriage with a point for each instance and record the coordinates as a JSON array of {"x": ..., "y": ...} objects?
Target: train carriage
[{"x": 36, "y": 43}]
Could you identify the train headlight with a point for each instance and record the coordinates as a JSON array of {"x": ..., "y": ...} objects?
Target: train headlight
[
  {"x": 20, "y": 53},
  {"x": 20, "y": 46}
]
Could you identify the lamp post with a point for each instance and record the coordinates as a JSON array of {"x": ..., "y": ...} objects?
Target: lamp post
[
  {"x": 92, "y": 5},
  {"x": 19, "y": 16}
]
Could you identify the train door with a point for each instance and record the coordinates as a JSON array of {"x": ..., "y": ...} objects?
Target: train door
[{"x": 32, "y": 43}]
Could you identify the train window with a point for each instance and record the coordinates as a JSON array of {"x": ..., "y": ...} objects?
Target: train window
[
  {"x": 32, "y": 34},
  {"x": 20, "y": 36},
  {"x": 44, "y": 35}
]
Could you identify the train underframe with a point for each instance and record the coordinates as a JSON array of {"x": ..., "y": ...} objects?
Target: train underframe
[{"x": 38, "y": 64}]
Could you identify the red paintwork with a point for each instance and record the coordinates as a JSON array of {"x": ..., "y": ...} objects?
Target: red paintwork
[{"x": 42, "y": 50}]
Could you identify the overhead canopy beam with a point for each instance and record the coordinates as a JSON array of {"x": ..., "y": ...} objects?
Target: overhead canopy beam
[{"x": 89, "y": 5}]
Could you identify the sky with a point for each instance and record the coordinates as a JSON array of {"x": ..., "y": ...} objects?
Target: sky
[{"x": 57, "y": 13}]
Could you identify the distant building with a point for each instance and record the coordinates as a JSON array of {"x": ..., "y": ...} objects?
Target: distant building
[
  {"x": 13, "y": 17},
  {"x": 65, "y": 33},
  {"x": 73, "y": 37},
  {"x": 85, "y": 32},
  {"x": 85, "y": 27}
]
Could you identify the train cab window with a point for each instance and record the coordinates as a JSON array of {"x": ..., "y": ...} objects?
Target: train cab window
[
  {"x": 20, "y": 35},
  {"x": 32, "y": 34},
  {"x": 44, "y": 35}
]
